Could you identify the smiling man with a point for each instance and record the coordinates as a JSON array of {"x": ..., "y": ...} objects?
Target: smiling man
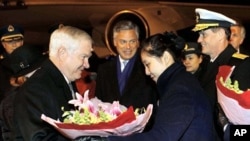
[
  {"x": 48, "y": 89},
  {"x": 125, "y": 82},
  {"x": 214, "y": 34}
]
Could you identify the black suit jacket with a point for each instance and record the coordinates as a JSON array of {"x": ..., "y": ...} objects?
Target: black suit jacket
[
  {"x": 139, "y": 91},
  {"x": 44, "y": 93}
]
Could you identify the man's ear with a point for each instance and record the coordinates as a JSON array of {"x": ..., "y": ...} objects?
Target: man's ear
[
  {"x": 221, "y": 34},
  {"x": 241, "y": 41},
  {"x": 61, "y": 52}
]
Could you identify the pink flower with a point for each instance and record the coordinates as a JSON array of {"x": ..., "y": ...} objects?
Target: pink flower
[
  {"x": 115, "y": 108},
  {"x": 78, "y": 101}
]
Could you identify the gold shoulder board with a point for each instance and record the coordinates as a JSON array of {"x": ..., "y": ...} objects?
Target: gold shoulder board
[{"x": 240, "y": 56}]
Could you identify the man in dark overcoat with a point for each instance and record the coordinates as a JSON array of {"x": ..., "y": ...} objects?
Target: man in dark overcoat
[{"x": 48, "y": 89}]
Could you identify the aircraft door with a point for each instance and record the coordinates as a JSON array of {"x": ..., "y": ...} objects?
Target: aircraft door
[
  {"x": 125, "y": 15},
  {"x": 151, "y": 20}
]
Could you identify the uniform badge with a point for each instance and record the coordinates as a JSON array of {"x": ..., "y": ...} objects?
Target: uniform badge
[
  {"x": 11, "y": 28},
  {"x": 197, "y": 17}
]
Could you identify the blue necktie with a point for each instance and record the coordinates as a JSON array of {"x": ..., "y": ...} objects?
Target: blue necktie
[{"x": 124, "y": 65}]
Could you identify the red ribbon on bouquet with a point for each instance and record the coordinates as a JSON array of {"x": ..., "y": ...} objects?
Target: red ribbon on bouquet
[
  {"x": 126, "y": 117},
  {"x": 243, "y": 99}
]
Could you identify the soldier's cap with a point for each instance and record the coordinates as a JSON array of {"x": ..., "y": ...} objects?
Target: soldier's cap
[
  {"x": 25, "y": 59},
  {"x": 11, "y": 33},
  {"x": 190, "y": 48},
  {"x": 207, "y": 19}
]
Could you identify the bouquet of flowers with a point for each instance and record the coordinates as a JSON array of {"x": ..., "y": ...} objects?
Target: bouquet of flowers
[
  {"x": 93, "y": 117},
  {"x": 234, "y": 102}
]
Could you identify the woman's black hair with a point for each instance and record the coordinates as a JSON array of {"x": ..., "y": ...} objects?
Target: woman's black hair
[{"x": 168, "y": 41}]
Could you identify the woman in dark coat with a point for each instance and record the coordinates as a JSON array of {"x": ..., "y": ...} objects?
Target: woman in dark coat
[{"x": 184, "y": 112}]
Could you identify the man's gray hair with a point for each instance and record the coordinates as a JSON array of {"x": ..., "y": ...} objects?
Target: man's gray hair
[
  {"x": 68, "y": 37},
  {"x": 125, "y": 25}
]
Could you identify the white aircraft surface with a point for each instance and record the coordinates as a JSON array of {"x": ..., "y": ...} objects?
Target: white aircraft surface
[{"x": 98, "y": 17}]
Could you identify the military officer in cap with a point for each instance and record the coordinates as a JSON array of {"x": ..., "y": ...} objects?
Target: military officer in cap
[
  {"x": 11, "y": 38},
  {"x": 192, "y": 58},
  {"x": 214, "y": 34}
]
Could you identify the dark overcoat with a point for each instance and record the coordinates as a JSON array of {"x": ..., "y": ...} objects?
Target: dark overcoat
[
  {"x": 184, "y": 112},
  {"x": 139, "y": 90},
  {"x": 45, "y": 92}
]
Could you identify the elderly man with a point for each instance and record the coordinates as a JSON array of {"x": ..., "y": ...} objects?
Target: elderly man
[
  {"x": 48, "y": 89},
  {"x": 238, "y": 34}
]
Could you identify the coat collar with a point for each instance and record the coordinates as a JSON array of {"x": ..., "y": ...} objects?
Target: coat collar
[
  {"x": 166, "y": 77},
  {"x": 225, "y": 55},
  {"x": 57, "y": 77}
]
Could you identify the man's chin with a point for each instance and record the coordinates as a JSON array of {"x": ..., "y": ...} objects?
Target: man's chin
[{"x": 127, "y": 57}]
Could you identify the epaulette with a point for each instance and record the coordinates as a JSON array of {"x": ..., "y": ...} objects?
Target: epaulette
[{"x": 240, "y": 56}]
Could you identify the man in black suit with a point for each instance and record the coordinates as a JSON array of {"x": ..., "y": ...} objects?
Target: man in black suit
[
  {"x": 214, "y": 34},
  {"x": 48, "y": 89},
  {"x": 127, "y": 84}
]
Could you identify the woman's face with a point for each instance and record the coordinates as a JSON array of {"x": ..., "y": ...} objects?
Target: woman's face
[
  {"x": 154, "y": 66},
  {"x": 192, "y": 62}
]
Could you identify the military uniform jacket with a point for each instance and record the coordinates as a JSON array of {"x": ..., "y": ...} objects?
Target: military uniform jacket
[
  {"x": 44, "y": 93},
  {"x": 241, "y": 72},
  {"x": 184, "y": 112}
]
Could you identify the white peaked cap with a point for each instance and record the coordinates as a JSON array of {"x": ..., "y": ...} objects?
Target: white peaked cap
[{"x": 206, "y": 19}]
